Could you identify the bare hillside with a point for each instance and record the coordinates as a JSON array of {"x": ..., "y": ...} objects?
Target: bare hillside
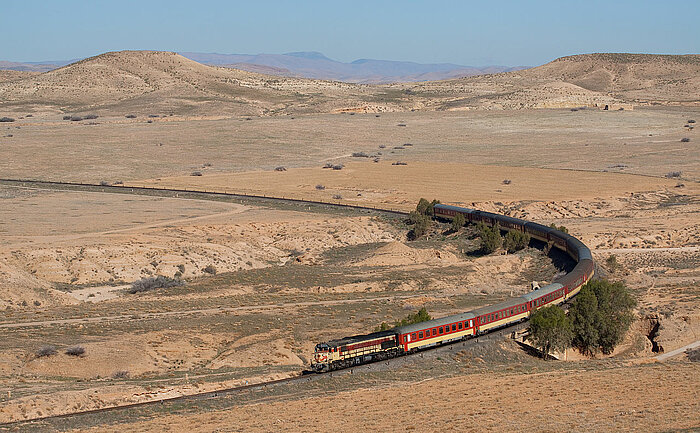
[
  {"x": 621, "y": 80},
  {"x": 164, "y": 81}
]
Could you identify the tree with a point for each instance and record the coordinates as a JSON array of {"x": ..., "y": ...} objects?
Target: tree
[
  {"x": 601, "y": 315},
  {"x": 491, "y": 239},
  {"x": 458, "y": 222},
  {"x": 550, "y": 329},
  {"x": 425, "y": 207},
  {"x": 421, "y": 224},
  {"x": 516, "y": 241}
]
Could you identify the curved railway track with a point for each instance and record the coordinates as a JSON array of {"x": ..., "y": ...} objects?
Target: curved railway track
[{"x": 260, "y": 199}]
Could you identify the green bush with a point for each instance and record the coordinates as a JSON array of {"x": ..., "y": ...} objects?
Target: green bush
[
  {"x": 421, "y": 224},
  {"x": 491, "y": 239},
  {"x": 550, "y": 329},
  {"x": 560, "y": 228},
  {"x": 601, "y": 315},
  {"x": 425, "y": 207},
  {"x": 458, "y": 222},
  {"x": 420, "y": 316},
  {"x": 516, "y": 241}
]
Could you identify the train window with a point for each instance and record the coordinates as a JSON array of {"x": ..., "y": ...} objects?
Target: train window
[
  {"x": 434, "y": 332},
  {"x": 413, "y": 336},
  {"x": 440, "y": 329},
  {"x": 420, "y": 334},
  {"x": 459, "y": 325},
  {"x": 454, "y": 327}
]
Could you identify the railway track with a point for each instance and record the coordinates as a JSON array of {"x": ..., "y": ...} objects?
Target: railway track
[{"x": 244, "y": 198}]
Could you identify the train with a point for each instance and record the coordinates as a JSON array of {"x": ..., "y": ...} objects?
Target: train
[{"x": 376, "y": 346}]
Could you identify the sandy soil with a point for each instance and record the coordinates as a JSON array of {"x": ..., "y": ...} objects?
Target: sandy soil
[{"x": 610, "y": 400}]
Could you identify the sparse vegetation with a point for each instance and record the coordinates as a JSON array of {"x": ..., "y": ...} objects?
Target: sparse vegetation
[
  {"x": 685, "y": 140},
  {"x": 550, "y": 329},
  {"x": 337, "y": 167},
  {"x": 337, "y": 197},
  {"x": 130, "y": 116},
  {"x": 421, "y": 224},
  {"x": 506, "y": 181},
  {"x": 75, "y": 351},
  {"x": 491, "y": 239},
  {"x": 320, "y": 187},
  {"x": 91, "y": 116},
  {"x": 457, "y": 222},
  {"x": 562, "y": 229},
  {"x": 600, "y": 315},
  {"x": 67, "y": 117},
  {"x": 121, "y": 374},
  {"x": 360, "y": 155},
  {"x": 153, "y": 283},
  {"x": 76, "y": 119},
  {"x": 611, "y": 263},
  {"x": 418, "y": 317},
  {"x": 673, "y": 174},
  {"x": 210, "y": 269},
  {"x": 105, "y": 183},
  {"x": 196, "y": 173},
  {"x": 280, "y": 168},
  {"x": 399, "y": 163},
  {"x": 46, "y": 351},
  {"x": 516, "y": 241},
  {"x": 6, "y": 119}
]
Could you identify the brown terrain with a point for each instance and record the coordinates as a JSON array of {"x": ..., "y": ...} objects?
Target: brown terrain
[{"x": 264, "y": 282}]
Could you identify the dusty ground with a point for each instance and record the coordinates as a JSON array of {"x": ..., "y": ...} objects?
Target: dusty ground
[{"x": 288, "y": 277}]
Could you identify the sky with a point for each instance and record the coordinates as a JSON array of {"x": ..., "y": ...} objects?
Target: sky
[{"x": 473, "y": 33}]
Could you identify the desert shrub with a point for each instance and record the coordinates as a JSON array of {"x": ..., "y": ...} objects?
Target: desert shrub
[
  {"x": 337, "y": 197},
  {"x": 376, "y": 159},
  {"x": 691, "y": 121},
  {"x": 76, "y": 118},
  {"x": 6, "y": 119},
  {"x": 30, "y": 115},
  {"x": 104, "y": 183},
  {"x": 421, "y": 224},
  {"x": 75, "y": 351},
  {"x": 506, "y": 181},
  {"x": 408, "y": 144},
  {"x": 196, "y": 173},
  {"x": 121, "y": 374},
  {"x": 516, "y": 241},
  {"x": 280, "y": 168},
  {"x": 91, "y": 116},
  {"x": 47, "y": 350},
  {"x": 458, "y": 222},
  {"x": 320, "y": 187},
  {"x": 153, "y": 115},
  {"x": 601, "y": 314},
  {"x": 152, "y": 283},
  {"x": 685, "y": 140},
  {"x": 382, "y": 146},
  {"x": 611, "y": 263},
  {"x": 673, "y": 174},
  {"x": 562, "y": 229},
  {"x": 130, "y": 116},
  {"x": 207, "y": 165},
  {"x": 399, "y": 163},
  {"x": 491, "y": 239},
  {"x": 421, "y": 315},
  {"x": 67, "y": 117},
  {"x": 401, "y": 124},
  {"x": 118, "y": 182},
  {"x": 399, "y": 147},
  {"x": 338, "y": 167},
  {"x": 550, "y": 329},
  {"x": 209, "y": 269},
  {"x": 360, "y": 155},
  {"x": 328, "y": 165}
]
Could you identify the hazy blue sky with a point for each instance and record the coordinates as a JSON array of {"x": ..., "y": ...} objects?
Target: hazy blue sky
[{"x": 464, "y": 32}]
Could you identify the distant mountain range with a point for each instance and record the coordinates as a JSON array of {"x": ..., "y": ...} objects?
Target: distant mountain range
[
  {"x": 316, "y": 65},
  {"x": 313, "y": 65}
]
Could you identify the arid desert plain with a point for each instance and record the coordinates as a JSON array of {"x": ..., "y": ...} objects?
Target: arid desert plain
[{"x": 264, "y": 281}]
